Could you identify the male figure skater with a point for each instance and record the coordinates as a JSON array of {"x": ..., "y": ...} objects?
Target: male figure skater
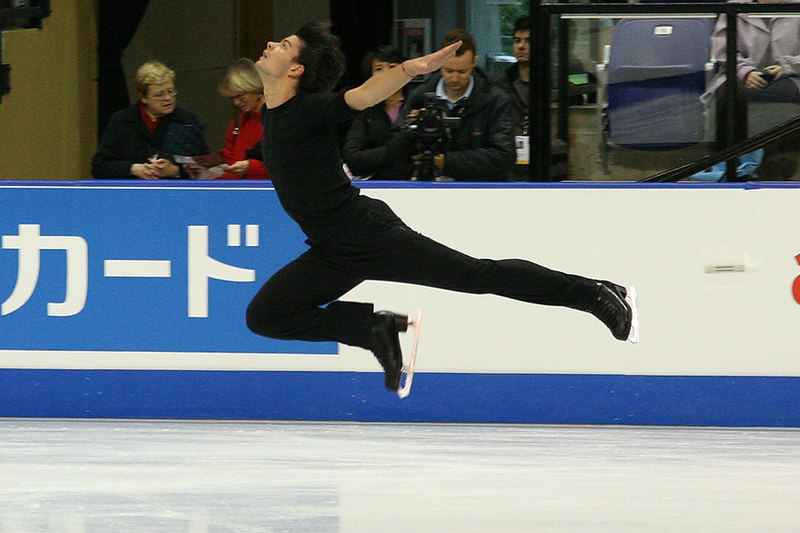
[{"x": 353, "y": 237}]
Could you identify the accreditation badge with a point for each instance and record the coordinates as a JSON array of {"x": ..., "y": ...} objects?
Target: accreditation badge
[{"x": 523, "y": 149}]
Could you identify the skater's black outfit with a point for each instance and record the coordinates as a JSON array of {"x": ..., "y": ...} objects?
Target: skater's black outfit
[{"x": 354, "y": 238}]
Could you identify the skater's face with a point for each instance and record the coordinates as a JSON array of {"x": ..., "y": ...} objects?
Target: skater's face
[
  {"x": 280, "y": 58},
  {"x": 456, "y": 73}
]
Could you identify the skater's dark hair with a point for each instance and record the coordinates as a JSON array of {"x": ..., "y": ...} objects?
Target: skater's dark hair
[{"x": 323, "y": 61}]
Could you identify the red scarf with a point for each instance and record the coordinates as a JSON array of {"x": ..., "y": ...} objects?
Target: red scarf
[{"x": 151, "y": 123}]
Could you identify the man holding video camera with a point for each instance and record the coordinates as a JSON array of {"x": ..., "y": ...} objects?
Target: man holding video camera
[{"x": 458, "y": 125}]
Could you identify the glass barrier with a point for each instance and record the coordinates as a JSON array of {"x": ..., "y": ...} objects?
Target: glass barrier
[{"x": 632, "y": 95}]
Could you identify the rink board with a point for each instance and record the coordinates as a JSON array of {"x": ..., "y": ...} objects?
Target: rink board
[
  {"x": 436, "y": 397},
  {"x": 127, "y": 300}
]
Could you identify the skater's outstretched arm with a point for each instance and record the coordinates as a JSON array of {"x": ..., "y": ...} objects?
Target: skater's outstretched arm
[{"x": 378, "y": 88}]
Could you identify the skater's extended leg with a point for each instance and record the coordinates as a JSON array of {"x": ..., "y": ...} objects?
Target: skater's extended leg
[{"x": 414, "y": 258}]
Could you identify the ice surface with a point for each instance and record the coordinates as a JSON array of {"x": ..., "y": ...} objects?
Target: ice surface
[{"x": 106, "y": 476}]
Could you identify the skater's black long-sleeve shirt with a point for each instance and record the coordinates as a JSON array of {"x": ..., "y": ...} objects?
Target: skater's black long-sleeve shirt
[{"x": 301, "y": 151}]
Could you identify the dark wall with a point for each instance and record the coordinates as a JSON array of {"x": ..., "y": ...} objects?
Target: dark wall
[{"x": 361, "y": 25}]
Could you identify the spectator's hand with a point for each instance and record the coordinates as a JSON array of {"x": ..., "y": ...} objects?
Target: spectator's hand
[
  {"x": 166, "y": 168},
  {"x": 239, "y": 168},
  {"x": 192, "y": 170},
  {"x": 414, "y": 113},
  {"x": 775, "y": 70},
  {"x": 438, "y": 160},
  {"x": 753, "y": 80},
  {"x": 145, "y": 171}
]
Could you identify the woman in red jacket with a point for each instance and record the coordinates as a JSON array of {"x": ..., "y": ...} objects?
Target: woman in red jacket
[{"x": 242, "y": 85}]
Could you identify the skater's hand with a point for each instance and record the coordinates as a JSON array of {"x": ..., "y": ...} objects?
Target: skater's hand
[
  {"x": 429, "y": 63},
  {"x": 378, "y": 88}
]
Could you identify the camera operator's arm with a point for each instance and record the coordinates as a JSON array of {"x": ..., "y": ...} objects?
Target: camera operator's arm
[
  {"x": 495, "y": 157},
  {"x": 378, "y": 88},
  {"x": 400, "y": 147}
]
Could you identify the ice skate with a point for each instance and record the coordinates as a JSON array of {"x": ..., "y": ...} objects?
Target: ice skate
[
  {"x": 408, "y": 367},
  {"x": 616, "y": 307},
  {"x": 385, "y": 336}
]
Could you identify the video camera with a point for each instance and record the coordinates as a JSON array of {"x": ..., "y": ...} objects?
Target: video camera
[{"x": 430, "y": 129}]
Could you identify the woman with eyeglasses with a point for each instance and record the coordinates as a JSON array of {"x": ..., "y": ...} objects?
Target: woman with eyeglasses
[
  {"x": 242, "y": 152},
  {"x": 133, "y": 142}
]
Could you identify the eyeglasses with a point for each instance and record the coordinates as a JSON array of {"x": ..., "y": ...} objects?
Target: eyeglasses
[{"x": 165, "y": 95}]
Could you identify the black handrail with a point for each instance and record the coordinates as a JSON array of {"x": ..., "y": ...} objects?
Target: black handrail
[{"x": 755, "y": 142}]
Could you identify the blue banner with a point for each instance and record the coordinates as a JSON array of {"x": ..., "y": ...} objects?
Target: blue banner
[{"x": 140, "y": 269}]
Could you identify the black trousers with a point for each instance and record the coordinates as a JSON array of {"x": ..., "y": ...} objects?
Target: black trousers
[
  {"x": 781, "y": 90},
  {"x": 292, "y": 304}
]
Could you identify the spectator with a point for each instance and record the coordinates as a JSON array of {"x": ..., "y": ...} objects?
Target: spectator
[
  {"x": 132, "y": 144},
  {"x": 516, "y": 83},
  {"x": 767, "y": 69},
  {"x": 242, "y": 85},
  {"x": 481, "y": 146},
  {"x": 364, "y": 149}
]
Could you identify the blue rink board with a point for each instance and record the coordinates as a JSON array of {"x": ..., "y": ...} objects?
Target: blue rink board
[{"x": 360, "y": 397}]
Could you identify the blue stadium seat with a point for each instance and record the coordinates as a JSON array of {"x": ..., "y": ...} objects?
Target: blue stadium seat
[{"x": 656, "y": 72}]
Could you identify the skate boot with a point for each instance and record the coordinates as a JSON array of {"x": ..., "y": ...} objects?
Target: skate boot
[
  {"x": 622, "y": 291},
  {"x": 610, "y": 306},
  {"x": 384, "y": 337}
]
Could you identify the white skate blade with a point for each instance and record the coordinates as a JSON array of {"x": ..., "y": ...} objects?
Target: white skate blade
[
  {"x": 633, "y": 336},
  {"x": 408, "y": 369}
]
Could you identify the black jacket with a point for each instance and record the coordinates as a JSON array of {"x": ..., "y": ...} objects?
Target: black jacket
[
  {"x": 365, "y": 150},
  {"x": 519, "y": 101},
  {"x": 126, "y": 141},
  {"x": 519, "y": 113},
  {"x": 482, "y": 147}
]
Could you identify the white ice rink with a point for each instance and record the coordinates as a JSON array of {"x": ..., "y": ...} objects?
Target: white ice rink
[{"x": 108, "y": 476}]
